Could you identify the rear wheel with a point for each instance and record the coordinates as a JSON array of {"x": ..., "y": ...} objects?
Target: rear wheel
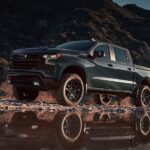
[
  {"x": 102, "y": 99},
  {"x": 144, "y": 125},
  {"x": 71, "y": 90},
  {"x": 143, "y": 98},
  {"x": 22, "y": 93}
]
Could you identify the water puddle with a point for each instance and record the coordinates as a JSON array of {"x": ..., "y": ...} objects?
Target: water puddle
[{"x": 81, "y": 128}]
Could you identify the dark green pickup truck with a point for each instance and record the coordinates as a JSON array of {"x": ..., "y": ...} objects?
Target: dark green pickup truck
[{"x": 72, "y": 69}]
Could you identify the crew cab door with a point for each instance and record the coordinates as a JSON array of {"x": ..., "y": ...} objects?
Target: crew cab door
[
  {"x": 102, "y": 73},
  {"x": 112, "y": 72},
  {"x": 123, "y": 69}
]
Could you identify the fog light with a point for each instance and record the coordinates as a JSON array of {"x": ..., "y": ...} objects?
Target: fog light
[{"x": 36, "y": 83}]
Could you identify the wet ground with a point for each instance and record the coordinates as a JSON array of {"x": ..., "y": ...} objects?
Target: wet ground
[{"x": 42, "y": 126}]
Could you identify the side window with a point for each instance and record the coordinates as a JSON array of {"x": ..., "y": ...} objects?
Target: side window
[
  {"x": 105, "y": 48},
  {"x": 120, "y": 54}
]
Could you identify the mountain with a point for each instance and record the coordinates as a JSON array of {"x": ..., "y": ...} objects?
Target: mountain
[{"x": 26, "y": 23}]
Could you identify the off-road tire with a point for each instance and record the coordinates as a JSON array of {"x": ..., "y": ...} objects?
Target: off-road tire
[
  {"x": 66, "y": 92},
  {"x": 28, "y": 94},
  {"x": 69, "y": 130},
  {"x": 98, "y": 99},
  {"x": 143, "y": 98}
]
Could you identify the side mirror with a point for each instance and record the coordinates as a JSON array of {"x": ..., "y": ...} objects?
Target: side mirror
[{"x": 99, "y": 54}]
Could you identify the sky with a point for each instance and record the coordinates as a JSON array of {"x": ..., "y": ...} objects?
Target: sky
[{"x": 141, "y": 3}]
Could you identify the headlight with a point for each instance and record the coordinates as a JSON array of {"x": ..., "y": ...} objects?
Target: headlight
[
  {"x": 52, "y": 56},
  {"x": 49, "y": 57}
]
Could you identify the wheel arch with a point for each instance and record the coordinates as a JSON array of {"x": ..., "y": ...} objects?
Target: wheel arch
[
  {"x": 75, "y": 69},
  {"x": 144, "y": 81}
]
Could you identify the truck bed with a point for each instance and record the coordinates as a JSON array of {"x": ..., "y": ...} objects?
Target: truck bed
[
  {"x": 143, "y": 71},
  {"x": 142, "y": 68}
]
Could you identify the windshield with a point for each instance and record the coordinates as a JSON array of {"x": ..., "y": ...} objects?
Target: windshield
[{"x": 77, "y": 45}]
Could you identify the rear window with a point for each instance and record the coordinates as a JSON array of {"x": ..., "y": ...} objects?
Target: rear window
[
  {"x": 77, "y": 45},
  {"x": 120, "y": 55}
]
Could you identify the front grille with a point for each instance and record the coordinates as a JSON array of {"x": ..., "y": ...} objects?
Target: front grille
[
  {"x": 29, "y": 56},
  {"x": 30, "y": 62}
]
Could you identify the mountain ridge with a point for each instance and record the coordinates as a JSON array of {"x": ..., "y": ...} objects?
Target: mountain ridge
[{"x": 47, "y": 23}]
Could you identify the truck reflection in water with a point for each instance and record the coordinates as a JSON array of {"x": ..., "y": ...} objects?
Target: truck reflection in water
[
  {"x": 74, "y": 130},
  {"x": 123, "y": 131}
]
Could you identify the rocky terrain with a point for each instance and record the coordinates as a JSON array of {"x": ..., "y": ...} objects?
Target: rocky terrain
[
  {"x": 36, "y": 23},
  {"x": 14, "y": 105}
]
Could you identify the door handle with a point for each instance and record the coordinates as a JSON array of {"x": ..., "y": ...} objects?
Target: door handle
[
  {"x": 129, "y": 69},
  {"x": 110, "y": 65}
]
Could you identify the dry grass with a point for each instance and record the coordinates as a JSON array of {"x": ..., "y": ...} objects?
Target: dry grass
[{"x": 7, "y": 93}]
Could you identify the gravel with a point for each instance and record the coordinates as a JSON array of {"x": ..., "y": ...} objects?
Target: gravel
[{"x": 14, "y": 105}]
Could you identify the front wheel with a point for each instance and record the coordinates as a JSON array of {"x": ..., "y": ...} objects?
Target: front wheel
[
  {"x": 143, "y": 98},
  {"x": 22, "y": 93},
  {"x": 71, "y": 90},
  {"x": 69, "y": 130}
]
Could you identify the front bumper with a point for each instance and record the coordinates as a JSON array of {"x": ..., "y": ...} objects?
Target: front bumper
[{"x": 32, "y": 78}]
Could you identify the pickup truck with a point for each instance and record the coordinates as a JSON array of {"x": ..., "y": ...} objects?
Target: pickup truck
[{"x": 76, "y": 68}]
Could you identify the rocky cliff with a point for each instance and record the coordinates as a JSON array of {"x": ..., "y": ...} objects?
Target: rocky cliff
[{"x": 26, "y": 23}]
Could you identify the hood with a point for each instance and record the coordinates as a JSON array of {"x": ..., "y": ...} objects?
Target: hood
[
  {"x": 30, "y": 50},
  {"x": 65, "y": 51},
  {"x": 47, "y": 51}
]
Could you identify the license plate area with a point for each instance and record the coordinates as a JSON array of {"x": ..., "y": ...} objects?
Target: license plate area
[{"x": 32, "y": 80}]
